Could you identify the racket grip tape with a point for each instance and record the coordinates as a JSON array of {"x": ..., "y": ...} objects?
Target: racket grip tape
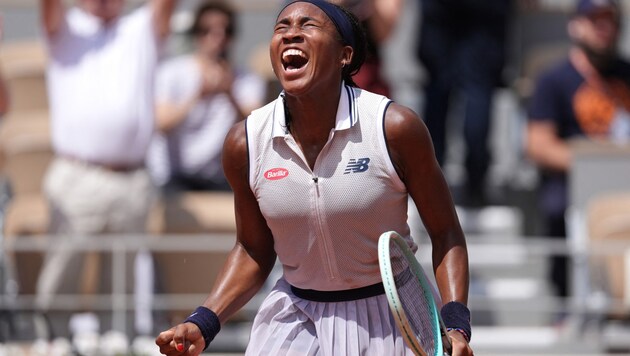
[
  {"x": 456, "y": 316},
  {"x": 208, "y": 323}
]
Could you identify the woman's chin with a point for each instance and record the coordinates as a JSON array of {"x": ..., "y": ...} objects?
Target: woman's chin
[{"x": 295, "y": 87}]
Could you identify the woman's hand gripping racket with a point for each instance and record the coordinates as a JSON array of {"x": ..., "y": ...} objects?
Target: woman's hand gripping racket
[{"x": 410, "y": 298}]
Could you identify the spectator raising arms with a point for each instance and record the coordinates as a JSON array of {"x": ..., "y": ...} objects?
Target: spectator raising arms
[{"x": 100, "y": 87}]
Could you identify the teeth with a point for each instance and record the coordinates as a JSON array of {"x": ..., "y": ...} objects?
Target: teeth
[{"x": 293, "y": 52}]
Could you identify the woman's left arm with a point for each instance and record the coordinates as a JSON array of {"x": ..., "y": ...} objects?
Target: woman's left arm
[{"x": 413, "y": 156}]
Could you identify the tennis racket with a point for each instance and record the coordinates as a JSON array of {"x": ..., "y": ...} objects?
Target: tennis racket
[{"x": 410, "y": 298}]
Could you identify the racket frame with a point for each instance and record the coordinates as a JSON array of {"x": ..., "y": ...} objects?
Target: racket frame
[{"x": 443, "y": 342}]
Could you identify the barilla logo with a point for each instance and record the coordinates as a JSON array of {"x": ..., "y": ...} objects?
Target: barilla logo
[{"x": 276, "y": 173}]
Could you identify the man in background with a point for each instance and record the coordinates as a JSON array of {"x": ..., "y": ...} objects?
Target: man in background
[
  {"x": 585, "y": 95},
  {"x": 100, "y": 86}
]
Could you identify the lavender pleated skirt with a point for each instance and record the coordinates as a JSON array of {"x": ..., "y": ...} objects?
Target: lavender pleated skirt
[{"x": 288, "y": 325}]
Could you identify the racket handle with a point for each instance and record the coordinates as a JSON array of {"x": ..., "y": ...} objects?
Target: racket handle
[{"x": 446, "y": 342}]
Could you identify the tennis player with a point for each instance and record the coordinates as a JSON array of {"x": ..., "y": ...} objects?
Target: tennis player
[{"x": 318, "y": 175}]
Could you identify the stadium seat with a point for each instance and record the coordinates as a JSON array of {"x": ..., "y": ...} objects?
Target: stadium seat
[{"x": 24, "y": 67}]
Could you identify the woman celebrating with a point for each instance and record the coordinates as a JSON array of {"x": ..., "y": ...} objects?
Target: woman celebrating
[{"x": 318, "y": 175}]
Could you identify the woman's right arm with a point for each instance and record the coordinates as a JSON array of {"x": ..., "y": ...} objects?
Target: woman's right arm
[{"x": 248, "y": 264}]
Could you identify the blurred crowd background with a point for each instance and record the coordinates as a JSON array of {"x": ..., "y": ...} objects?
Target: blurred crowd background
[{"x": 124, "y": 284}]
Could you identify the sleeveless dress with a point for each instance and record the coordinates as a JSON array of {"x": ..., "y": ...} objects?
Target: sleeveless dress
[{"x": 326, "y": 223}]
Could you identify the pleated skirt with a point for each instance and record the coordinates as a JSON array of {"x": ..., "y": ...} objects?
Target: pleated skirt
[{"x": 288, "y": 325}]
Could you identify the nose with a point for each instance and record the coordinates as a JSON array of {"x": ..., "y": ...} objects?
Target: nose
[{"x": 292, "y": 34}]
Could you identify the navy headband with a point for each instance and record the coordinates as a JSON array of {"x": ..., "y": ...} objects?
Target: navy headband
[{"x": 337, "y": 16}]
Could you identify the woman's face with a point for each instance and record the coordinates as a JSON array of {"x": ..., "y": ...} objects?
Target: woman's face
[{"x": 306, "y": 50}]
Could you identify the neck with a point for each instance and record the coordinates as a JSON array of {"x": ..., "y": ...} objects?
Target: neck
[{"x": 313, "y": 116}]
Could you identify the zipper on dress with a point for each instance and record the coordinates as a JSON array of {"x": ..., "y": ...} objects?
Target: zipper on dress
[
  {"x": 320, "y": 226},
  {"x": 316, "y": 198}
]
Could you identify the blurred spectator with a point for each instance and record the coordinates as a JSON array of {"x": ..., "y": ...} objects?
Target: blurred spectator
[
  {"x": 4, "y": 90},
  {"x": 100, "y": 87},
  {"x": 199, "y": 97},
  {"x": 462, "y": 45},
  {"x": 586, "y": 94},
  {"x": 379, "y": 18}
]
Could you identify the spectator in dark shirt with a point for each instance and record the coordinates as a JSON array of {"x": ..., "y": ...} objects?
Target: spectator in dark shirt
[{"x": 585, "y": 95}]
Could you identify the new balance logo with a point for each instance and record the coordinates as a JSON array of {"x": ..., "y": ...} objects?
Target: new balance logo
[{"x": 357, "y": 165}]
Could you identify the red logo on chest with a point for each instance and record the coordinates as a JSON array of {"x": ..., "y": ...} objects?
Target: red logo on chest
[{"x": 276, "y": 173}]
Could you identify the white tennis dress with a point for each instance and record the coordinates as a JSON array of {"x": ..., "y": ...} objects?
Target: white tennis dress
[{"x": 326, "y": 223}]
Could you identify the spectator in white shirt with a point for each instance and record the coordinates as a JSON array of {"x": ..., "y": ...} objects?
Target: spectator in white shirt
[{"x": 100, "y": 86}]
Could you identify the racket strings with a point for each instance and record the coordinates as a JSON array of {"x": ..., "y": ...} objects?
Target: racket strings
[{"x": 415, "y": 302}]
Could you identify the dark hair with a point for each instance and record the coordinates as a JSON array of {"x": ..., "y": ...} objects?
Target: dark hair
[
  {"x": 210, "y": 6},
  {"x": 359, "y": 45},
  {"x": 360, "y": 48}
]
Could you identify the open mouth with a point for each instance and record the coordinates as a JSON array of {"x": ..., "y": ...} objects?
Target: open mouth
[{"x": 293, "y": 59}]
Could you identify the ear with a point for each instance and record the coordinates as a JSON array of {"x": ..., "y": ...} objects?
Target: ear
[{"x": 346, "y": 56}]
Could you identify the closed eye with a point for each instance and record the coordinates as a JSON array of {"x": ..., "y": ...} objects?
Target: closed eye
[
  {"x": 310, "y": 22},
  {"x": 304, "y": 22},
  {"x": 280, "y": 27}
]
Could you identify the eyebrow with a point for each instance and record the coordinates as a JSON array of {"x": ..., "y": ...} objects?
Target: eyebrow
[{"x": 302, "y": 20}]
